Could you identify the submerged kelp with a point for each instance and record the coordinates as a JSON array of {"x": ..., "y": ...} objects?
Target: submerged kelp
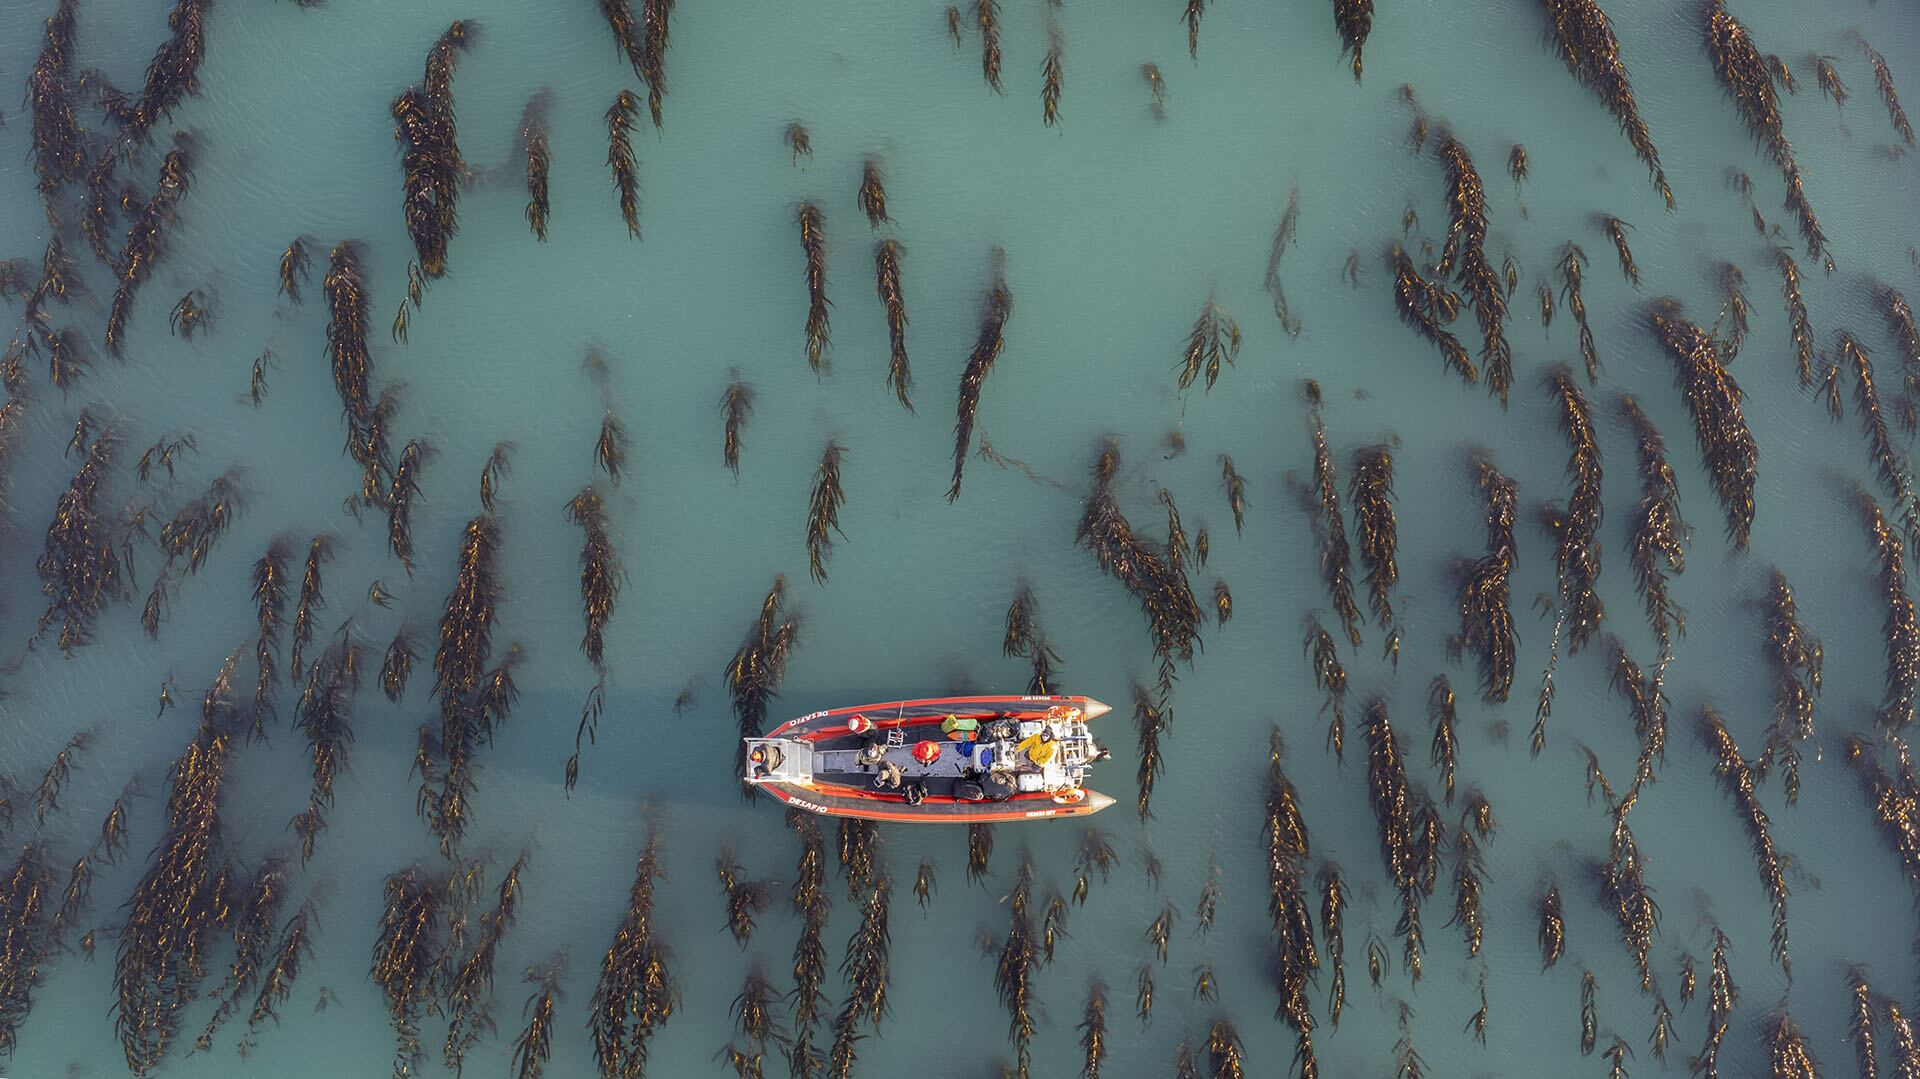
[
  {"x": 886, "y": 265},
  {"x": 1336, "y": 558},
  {"x": 758, "y": 667},
  {"x": 1370, "y": 489},
  {"x": 471, "y": 701},
  {"x": 626, "y": 176},
  {"x": 1883, "y": 78},
  {"x": 1154, "y": 578},
  {"x": 1737, "y": 780},
  {"x": 1353, "y": 19},
  {"x": 423, "y": 119},
  {"x": 813, "y": 244},
  {"x": 1795, "y": 657},
  {"x": 995, "y": 311},
  {"x": 80, "y": 566},
  {"x": 1464, "y": 256}
]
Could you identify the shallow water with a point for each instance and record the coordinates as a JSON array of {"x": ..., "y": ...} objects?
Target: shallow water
[{"x": 1116, "y": 229}]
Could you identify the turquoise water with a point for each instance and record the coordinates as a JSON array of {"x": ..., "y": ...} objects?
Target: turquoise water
[{"x": 1116, "y": 227}]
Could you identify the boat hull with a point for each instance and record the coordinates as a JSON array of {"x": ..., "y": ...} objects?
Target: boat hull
[{"x": 827, "y": 739}]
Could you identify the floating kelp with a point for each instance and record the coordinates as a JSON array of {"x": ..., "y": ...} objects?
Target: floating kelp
[
  {"x": 600, "y": 572},
  {"x": 886, "y": 261},
  {"x": 1371, "y": 490},
  {"x": 255, "y": 910},
  {"x": 1860, "y": 1022},
  {"x": 1295, "y": 960},
  {"x": 1584, "y": 38},
  {"x": 758, "y": 667},
  {"x": 400, "y": 495},
  {"x": 1656, "y": 531},
  {"x": 636, "y": 993},
  {"x": 347, "y": 322},
  {"x": 1797, "y": 323},
  {"x": 430, "y": 158},
  {"x": 1330, "y": 678},
  {"x": 1890, "y": 465},
  {"x": 397, "y": 667},
  {"x": 1576, "y": 526},
  {"x": 1409, "y": 827},
  {"x": 412, "y": 928},
  {"x": 1444, "y": 751},
  {"x": 996, "y": 309},
  {"x": 1713, "y": 398},
  {"x": 1906, "y": 343},
  {"x": 1236, "y": 493},
  {"x": 1427, "y": 307},
  {"x": 1829, "y": 81},
  {"x": 986, "y": 15},
  {"x": 823, "y": 511},
  {"x": 1553, "y": 928},
  {"x": 1154, "y": 577},
  {"x": 146, "y": 238},
  {"x": 1486, "y": 613},
  {"x": 533, "y": 132},
  {"x": 626, "y": 176},
  {"x": 319, "y": 551},
  {"x": 609, "y": 448},
  {"x": 79, "y": 566},
  {"x": 1737, "y": 780},
  {"x": 1733, "y": 313},
  {"x": 25, "y": 941},
  {"x": 1353, "y": 19},
  {"x": 1589, "y": 1012},
  {"x": 1647, "y": 700},
  {"x": 324, "y": 717},
  {"x": 1624, "y": 893},
  {"x": 1222, "y": 602},
  {"x": 1226, "y": 1055},
  {"x": 1333, "y": 903},
  {"x": 872, "y": 198},
  {"x": 1787, "y": 1050},
  {"x": 1571, "y": 264},
  {"x": 1745, "y": 78},
  {"x": 1407, "y": 1063},
  {"x": 1722, "y": 994},
  {"x": 1093, "y": 1030},
  {"x": 1616, "y": 231},
  {"x": 468, "y": 711},
  {"x": 1052, "y": 76},
  {"x": 1882, "y": 77},
  {"x": 1900, "y": 627},
  {"x": 180, "y": 899},
  {"x": 1906, "y": 1050},
  {"x": 1336, "y": 558},
  {"x": 1794, "y": 655},
  {"x": 296, "y": 266},
  {"x": 467, "y": 976},
  {"x": 1464, "y": 256},
  {"x": 1012, "y": 976},
  {"x": 59, "y": 149},
  {"x": 172, "y": 75},
  {"x": 860, "y": 859},
  {"x": 813, "y": 243},
  {"x": 1215, "y": 338},
  {"x": 737, "y": 405}
]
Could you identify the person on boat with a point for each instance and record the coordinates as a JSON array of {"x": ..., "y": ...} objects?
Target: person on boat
[
  {"x": 889, "y": 776},
  {"x": 927, "y": 752},
  {"x": 870, "y": 753},
  {"x": 1038, "y": 748}
]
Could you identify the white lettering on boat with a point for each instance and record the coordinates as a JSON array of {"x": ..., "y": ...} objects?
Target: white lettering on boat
[{"x": 811, "y": 716}]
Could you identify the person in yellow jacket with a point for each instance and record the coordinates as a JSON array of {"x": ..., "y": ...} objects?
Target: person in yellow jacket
[{"x": 1038, "y": 747}]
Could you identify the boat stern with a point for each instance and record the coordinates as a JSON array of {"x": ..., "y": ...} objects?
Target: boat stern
[{"x": 779, "y": 760}]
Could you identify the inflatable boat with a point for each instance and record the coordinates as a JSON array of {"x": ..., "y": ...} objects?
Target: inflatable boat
[{"x": 974, "y": 760}]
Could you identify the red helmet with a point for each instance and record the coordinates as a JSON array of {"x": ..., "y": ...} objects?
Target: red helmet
[{"x": 926, "y": 752}]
